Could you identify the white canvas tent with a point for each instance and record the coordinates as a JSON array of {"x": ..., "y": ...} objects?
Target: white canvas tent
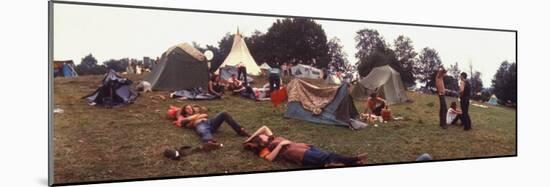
[
  {"x": 334, "y": 80},
  {"x": 305, "y": 71},
  {"x": 240, "y": 54},
  {"x": 493, "y": 100},
  {"x": 265, "y": 66},
  {"x": 386, "y": 80}
]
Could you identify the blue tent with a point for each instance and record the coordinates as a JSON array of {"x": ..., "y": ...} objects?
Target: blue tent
[
  {"x": 68, "y": 71},
  {"x": 339, "y": 111}
]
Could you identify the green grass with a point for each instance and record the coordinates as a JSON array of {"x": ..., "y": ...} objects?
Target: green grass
[{"x": 94, "y": 143}]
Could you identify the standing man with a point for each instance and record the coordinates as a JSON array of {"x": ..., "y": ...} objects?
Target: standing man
[
  {"x": 241, "y": 70},
  {"x": 440, "y": 85},
  {"x": 465, "y": 92}
]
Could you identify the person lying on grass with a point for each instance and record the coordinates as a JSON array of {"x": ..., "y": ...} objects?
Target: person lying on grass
[
  {"x": 205, "y": 127},
  {"x": 270, "y": 147}
]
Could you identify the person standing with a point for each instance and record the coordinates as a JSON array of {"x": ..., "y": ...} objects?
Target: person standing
[
  {"x": 440, "y": 85},
  {"x": 274, "y": 78},
  {"x": 465, "y": 92},
  {"x": 241, "y": 70}
]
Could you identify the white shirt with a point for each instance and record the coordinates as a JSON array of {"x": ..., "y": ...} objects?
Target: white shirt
[{"x": 451, "y": 114}]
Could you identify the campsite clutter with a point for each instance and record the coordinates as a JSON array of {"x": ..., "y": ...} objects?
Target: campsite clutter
[{"x": 184, "y": 72}]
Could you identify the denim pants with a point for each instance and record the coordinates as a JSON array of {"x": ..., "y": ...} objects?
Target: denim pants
[
  {"x": 442, "y": 111},
  {"x": 317, "y": 157},
  {"x": 206, "y": 128},
  {"x": 464, "y": 106}
]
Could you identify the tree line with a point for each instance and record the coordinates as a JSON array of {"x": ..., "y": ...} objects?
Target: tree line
[{"x": 304, "y": 41}]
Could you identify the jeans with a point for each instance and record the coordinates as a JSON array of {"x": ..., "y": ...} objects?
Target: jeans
[
  {"x": 464, "y": 106},
  {"x": 206, "y": 128},
  {"x": 274, "y": 82},
  {"x": 442, "y": 111},
  {"x": 317, "y": 157},
  {"x": 456, "y": 119}
]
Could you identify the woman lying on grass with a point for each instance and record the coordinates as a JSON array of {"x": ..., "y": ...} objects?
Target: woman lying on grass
[
  {"x": 192, "y": 119},
  {"x": 269, "y": 147}
]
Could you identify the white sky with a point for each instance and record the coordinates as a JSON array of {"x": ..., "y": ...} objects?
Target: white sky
[{"x": 114, "y": 33}]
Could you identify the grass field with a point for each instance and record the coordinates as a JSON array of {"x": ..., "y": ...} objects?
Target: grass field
[{"x": 95, "y": 144}]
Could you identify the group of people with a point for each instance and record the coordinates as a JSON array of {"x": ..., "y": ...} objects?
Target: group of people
[
  {"x": 262, "y": 142},
  {"x": 451, "y": 115}
]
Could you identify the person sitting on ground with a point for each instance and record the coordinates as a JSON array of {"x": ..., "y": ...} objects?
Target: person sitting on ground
[
  {"x": 270, "y": 147},
  {"x": 453, "y": 114},
  {"x": 188, "y": 117},
  {"x": 375, "y": 104},
  {"x": 235, "y": 85},
  {"x": 215, "y": 87}
]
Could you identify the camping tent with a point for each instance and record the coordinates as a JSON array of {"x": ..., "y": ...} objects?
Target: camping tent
[
  {"x": 333, "y": 79},
  {"x": 240, "y": 54},
  {"x": 265, "y": 68},
  {"x": 114, "y": 91},
  {"x": 384, "y": 79},
  {"x": 332, "y": 105},
  {"x": 493, "y": 100},
  {"x": 180, "y": 67},
  {"x": 65, "y": 68},
  {"x": 305, "y": 71}
]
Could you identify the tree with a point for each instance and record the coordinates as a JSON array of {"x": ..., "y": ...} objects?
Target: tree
[
  {"x": 406, "y": 57},
  {"x": 117, "y": 65},
  {"x": 88, "y": 66},
  {"x": 368, "y": 41},
  {"x": 429, "y": 62},
  {"x": 257, "y": 46},
  {"x": 297, "y": 40},
  {"x": 379, "y": 57},
  {"x": 454, "y": 71},
  {"x": 476, "y": 83},
  {"x": 337, "y": 56},
  {"x": 504, "y": 82}
]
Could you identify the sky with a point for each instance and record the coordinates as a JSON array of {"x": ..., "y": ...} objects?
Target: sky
[{"x": 115, "y": 33}]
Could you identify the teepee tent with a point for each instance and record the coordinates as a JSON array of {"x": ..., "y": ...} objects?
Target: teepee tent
[
  {"x": 493, "y": 100},
  {"x": 180, "y": 67},
  {"x": 240, "y": 54},
  {"x": 329, "y": 105},
  {"x": 382, "y": 79},
  {"x": 306, "y": 71}
]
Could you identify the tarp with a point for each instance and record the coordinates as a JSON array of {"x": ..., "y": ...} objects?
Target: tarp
[
  {"x": 114, "y": 91},
  {"x": 240, "y": 54},
  {"x": 385, "y": 80},
  {"x": 64, "y": 68},
  {"x": 312, "y": 98},
  {"x": 194, "y": 94},
  {"x": 180, "y": 67},
  {"x": 338, "y": 111},
  {"x": 305, "y": 71}
]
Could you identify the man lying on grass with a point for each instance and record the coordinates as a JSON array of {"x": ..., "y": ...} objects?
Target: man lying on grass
[
  {"x": 189, "y": 118},
  {"x": 269, "y": 147}
]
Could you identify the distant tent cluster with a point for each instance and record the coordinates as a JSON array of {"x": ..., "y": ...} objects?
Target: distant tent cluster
[
  {"x": 306, "y": 71},
  {"x": 64, "y": 68}
]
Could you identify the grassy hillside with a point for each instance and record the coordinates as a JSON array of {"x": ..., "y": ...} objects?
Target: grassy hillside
[{"x": 94, "y": 143}]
